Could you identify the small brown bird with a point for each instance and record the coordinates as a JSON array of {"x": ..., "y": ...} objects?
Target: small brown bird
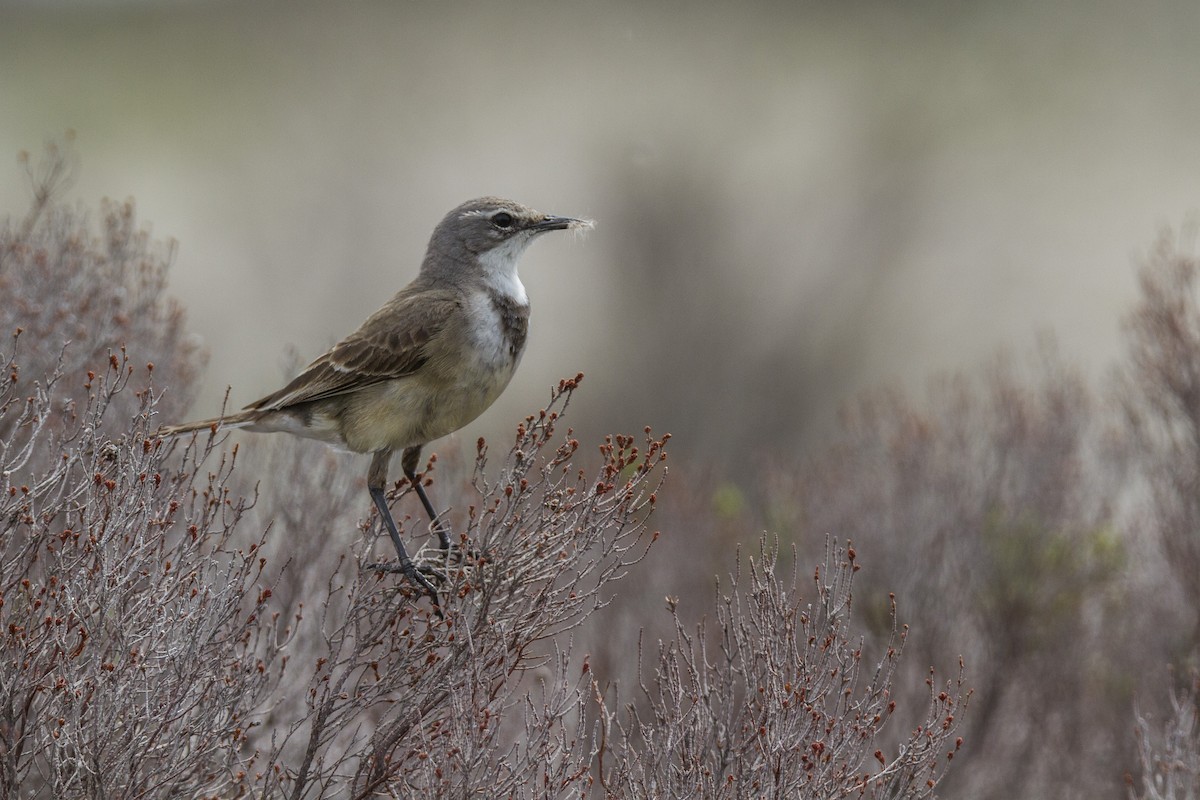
[{"x": 426, "y": 364}]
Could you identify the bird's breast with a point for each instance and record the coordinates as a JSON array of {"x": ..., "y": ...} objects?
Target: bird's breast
[
  {"x": 487, "y": 356},
  {"x": 497, "y": 328}
]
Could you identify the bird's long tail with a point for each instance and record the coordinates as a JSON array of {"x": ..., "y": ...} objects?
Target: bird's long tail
[{"x": 238, "y": 419}]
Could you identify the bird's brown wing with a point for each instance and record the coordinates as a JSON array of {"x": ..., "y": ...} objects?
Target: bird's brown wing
[{"x": 392, "y": 343}]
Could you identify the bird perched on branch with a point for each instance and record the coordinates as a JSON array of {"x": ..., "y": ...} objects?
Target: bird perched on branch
[{"x": 426, "y": 364}]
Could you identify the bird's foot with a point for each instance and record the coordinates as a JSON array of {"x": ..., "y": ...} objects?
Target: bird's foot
[
  {"x": 448, "y": 552},
  {"x": 474, "y": 554},
  {"x": 416, "y": 574},
  {"x": 459, "y": 554}
]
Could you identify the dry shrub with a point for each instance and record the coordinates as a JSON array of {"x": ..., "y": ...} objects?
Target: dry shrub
[
  {"x": 134, "y": 648},
  {"x": 79, "y": 296},
  {"x": 778, "y": 700},
  {"x": 398, "y": 697},
  {"x": 986, "y": 517},
  {"x": 1169, "y": 752},
  {"x": 1159, "y": 391},
  {"x": 161, "y": 638}
]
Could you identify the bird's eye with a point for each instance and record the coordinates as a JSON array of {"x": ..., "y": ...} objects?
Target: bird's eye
[{"x": 502, "y": 220}]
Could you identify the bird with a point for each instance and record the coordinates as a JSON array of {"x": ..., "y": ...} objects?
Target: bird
[{"x": 427, "y": 363}]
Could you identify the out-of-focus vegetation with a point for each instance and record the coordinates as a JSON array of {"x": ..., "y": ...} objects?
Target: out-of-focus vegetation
[{"x": 1042, "y": 525}]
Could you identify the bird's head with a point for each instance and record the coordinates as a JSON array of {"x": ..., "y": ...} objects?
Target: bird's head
[{"x": 493, "y": 233}]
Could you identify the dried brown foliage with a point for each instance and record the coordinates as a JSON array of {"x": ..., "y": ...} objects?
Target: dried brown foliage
[
  {"x": 779, "y": 700},
  {"x": 131, "y": 654},
  {"x": 1169, "y": 752},
  {"x": 1052, "y": 543},
  {"x": 986, "y": 520},
  {"x": 397, "y": 697},
  {"x": 79, "y": 296},
  {"x": 1159, "y": 389},
  {"x": 168, "y": 632}
]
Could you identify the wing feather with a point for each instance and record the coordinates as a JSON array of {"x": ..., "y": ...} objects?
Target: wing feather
[{"x": 392, "y": 343}]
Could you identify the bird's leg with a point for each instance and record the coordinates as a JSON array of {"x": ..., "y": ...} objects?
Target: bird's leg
[
  {"x": 408, "y": 462},
  {"x": 376, "y": 481}
]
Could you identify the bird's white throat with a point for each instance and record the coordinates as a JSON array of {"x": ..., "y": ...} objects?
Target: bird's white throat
[{"x": 500, "y": 268}]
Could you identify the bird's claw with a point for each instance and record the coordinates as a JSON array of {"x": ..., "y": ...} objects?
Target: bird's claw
[
  {"x": 415, "y": 573},
  {"x": 459, "y": 554}
]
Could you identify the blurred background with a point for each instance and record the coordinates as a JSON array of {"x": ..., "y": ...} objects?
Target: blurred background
[{"x": 793, "y": 200}]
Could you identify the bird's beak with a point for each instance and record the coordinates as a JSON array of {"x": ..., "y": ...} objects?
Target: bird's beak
[{"x": 549, "y": 223}]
